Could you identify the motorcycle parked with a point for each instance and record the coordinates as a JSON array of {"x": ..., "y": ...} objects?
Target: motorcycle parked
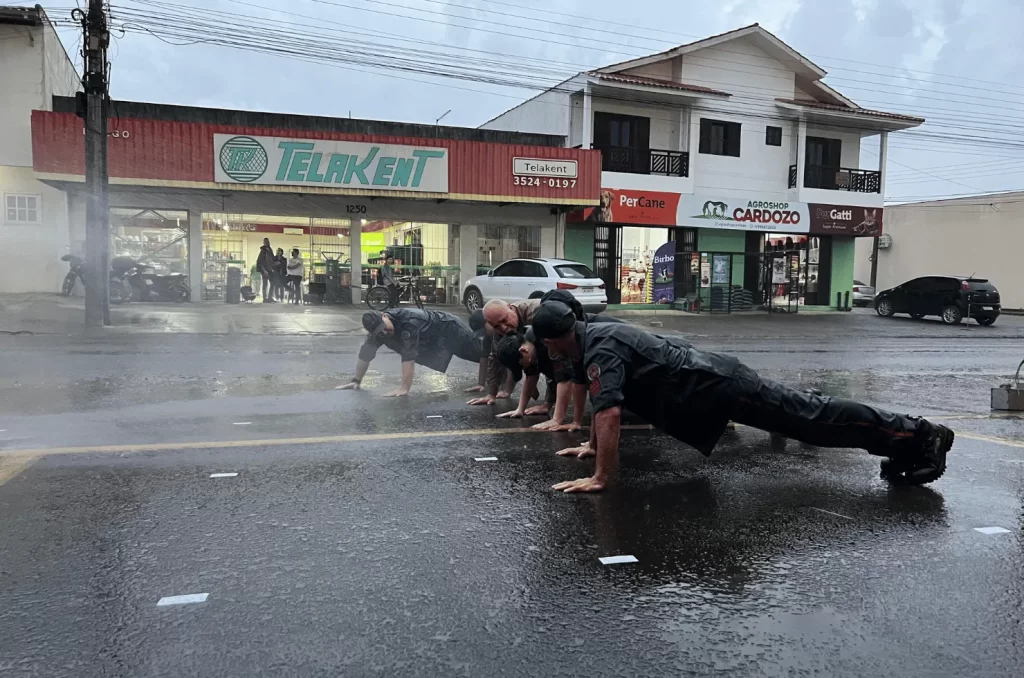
[
  {"x": 119, "y": 290},
  {"x": 147, "y": 285}
]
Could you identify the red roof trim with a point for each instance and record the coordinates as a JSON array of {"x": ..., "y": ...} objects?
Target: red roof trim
[
  {"x": 848, "y": 109},
  {"x": 657, "y": 82}
]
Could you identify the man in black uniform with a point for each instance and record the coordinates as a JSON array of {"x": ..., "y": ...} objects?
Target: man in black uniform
[
  {"x": 692, "y": 394},
  {"x": 523, "y": 353},
  {"x": 429, "y": 338}
]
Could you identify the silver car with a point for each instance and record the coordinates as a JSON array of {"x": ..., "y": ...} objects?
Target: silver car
[{"x": 863, "y": 295}]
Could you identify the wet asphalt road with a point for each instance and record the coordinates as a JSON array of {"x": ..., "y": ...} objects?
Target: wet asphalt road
[{"x": 360, "y": 537}]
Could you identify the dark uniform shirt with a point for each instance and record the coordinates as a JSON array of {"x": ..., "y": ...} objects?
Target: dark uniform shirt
[
  {"x": 430, "y": 338},
  {"x": 665, "y": 381}
]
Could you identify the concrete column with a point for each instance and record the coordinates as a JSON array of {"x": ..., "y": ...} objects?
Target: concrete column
[
  {"x": 588, "y": 118},
  {"x": 693, "y": 138},
  {"x": 467, "y": 256},
  {"x": 195, "y": 254},
  {"x": 560, "y": 235},
  {"x": 549, "y": 239},
  {"x": 883, "y": 155},
  {"x": 801, "y": 153},
  {"x": 356, "y": 241}
]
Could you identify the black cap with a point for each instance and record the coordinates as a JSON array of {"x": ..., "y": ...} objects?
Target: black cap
[
  {"x": 552, "y": 320},
  {"x": 508, "y": 354},
  {"x": 476, "y": 320},
  {"x": 373, "y": 322}
]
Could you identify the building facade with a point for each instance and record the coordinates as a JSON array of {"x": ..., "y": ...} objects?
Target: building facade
[
  {"x": 33, "y": 216},
  {"x": 196, "y": 190},
  {"x": 732, "y": 176},
  {"x": 973, "y": 235}
]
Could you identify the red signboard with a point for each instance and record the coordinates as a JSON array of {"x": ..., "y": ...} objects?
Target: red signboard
[
  {"x": 181, "y": 154},
  {"x": 626, "y": 206},
  {"x": 845, "y": 220}
]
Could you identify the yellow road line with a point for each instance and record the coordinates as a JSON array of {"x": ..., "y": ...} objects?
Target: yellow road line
[
  {"x": 269, "y": 442},
  {"x": 11, "y": 466},
  {"x": 14, "y": 461}
]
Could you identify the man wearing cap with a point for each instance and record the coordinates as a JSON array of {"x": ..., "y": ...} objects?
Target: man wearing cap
[
  {"x": 692, "y": 394},
  {"x": 429, "y": 338},
  {"x": 521, "y": 353}
]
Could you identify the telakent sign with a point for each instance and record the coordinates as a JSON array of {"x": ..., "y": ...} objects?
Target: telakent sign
[{"x": 286, "y": 161}]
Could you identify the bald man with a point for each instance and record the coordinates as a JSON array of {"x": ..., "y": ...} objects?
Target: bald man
[{"x": 502, "y": 319}]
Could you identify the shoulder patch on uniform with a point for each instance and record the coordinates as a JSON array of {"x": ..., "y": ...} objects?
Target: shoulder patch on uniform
[
  {"x": 406, "y": 336},
  {"x": 594, "y": 375}
]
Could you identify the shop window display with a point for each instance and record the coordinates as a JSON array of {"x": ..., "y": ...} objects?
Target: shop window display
[{"x": 636, "y": 276}]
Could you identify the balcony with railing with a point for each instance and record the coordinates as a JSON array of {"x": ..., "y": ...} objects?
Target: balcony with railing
[
  {"x": 838, "y": 179},
  {"x": 644, "y": 161}
]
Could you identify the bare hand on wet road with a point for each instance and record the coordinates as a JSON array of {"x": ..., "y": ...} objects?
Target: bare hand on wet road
[
  {"x": 584, "y": 450},
  {"x": 474, "y": 389},
  {"x": 581, "y": 485},
  {"x": 350, "y": 386},
  {"x": 486, "y": 400},
  {"x": 397, "y": 393},
  {"x": 512, "y": 414}
]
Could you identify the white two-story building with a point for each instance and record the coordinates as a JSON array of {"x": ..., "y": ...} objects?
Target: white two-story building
[
  {"x": 732, "y": 175},
  {"x": 33, "y": 216}
]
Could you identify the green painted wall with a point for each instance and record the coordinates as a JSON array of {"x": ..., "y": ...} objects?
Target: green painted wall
[
  {"x": 579, "y": 243},
  {"x": 842, "y": 268},
  {"x": 717, "y": 240}
]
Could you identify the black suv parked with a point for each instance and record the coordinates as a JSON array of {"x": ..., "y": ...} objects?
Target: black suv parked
[{"x": 950, "y": 297}]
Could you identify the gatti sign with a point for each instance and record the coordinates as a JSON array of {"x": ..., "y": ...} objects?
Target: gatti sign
[{"x": 845, "y": 220}]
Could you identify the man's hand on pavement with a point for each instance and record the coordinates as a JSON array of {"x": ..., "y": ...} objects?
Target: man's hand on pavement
[
  {"x": 512, "y": 414},
  {"x": 397, "y": 393},
  {"x": 537, "y": 409},
  {"x": 503, "y": 395},
  {"x": 350, "y": 386},
  {"x": 582, "y": 485},
  {"x": 584, "y": 450},
  {"x": 486, "y": 400},
  {"x": 474, "y": 389}
]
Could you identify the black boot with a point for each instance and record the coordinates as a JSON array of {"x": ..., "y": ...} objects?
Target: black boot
[{"x": 925, "y": 461}]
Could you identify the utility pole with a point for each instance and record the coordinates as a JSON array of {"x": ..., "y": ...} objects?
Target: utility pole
[{"x": 97, "y": 213}]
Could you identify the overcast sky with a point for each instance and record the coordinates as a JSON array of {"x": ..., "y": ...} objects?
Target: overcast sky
[{"x": 908, "y": 56}]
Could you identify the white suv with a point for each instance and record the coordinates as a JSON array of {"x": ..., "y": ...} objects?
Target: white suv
[{"x": 519, "y": 279}]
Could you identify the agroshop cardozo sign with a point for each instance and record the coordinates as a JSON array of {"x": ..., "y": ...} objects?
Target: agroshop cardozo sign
[{"x": 625, "y": 206}]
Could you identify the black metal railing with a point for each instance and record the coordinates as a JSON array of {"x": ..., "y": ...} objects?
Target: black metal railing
[
  {"x": 840, "y": 179},
  {"x": 644, "y": 161}
]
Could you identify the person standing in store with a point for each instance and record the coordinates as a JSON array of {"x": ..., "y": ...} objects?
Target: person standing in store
[
  {"x": 387, "y": 278},
  {"x": 280, "y": 274},
  {"x": 265, "y": 265},
  {"x": 295, "y": 275}
]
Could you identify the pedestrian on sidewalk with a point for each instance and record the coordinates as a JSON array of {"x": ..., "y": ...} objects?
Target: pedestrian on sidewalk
[
  {"x": 295, "y": 275},
  {"x": 265, "y": 265}
]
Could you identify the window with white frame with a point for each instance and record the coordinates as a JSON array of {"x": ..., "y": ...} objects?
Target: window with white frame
[{"x": 21, "y": 208}]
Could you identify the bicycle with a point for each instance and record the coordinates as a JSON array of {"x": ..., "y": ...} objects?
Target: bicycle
[{"x": 379, "y": 297}]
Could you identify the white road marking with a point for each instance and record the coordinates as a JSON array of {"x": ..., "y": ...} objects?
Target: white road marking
[
  {"x": 618, "y": 560},
  {"x": 991, "y": 530},
  {"x": 485, "y": 459},
  {"x": 241, "y": 423},
  {"x": 183, "y": 600},
  {"x": 839, "y": 515},
  {"x": 223, "y": 475},
  {"x": 433, "y": 416}
]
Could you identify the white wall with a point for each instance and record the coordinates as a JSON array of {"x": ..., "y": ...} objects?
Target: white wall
[
  {"x": 755, "y": 80},
  {"x": 955, "y": 238},
  {"x": 33, "y": 252},
  {"x": 33, "y": 67},
  {"x": 661, "y": 70},
  {"x": 21, "y": 82},
  {"x": 546, "y": 113}
]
